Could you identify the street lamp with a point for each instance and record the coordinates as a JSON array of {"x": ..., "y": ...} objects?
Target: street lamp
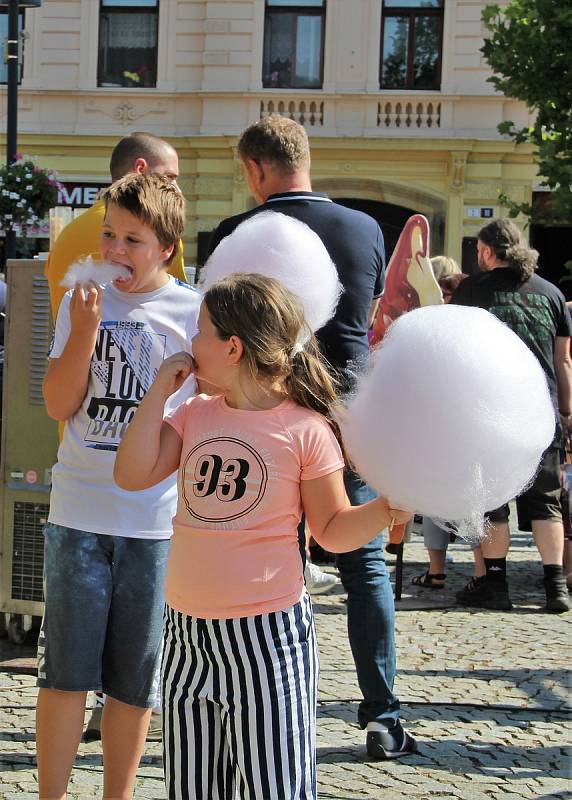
[{"x": 13, "y": 7}]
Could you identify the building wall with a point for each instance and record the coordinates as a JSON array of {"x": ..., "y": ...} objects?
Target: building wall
[{"x": 436, "y": 152}]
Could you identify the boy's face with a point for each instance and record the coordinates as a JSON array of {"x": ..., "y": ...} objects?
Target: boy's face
[{"x": 127, "y": 241}]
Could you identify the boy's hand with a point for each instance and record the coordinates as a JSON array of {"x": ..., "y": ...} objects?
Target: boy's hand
[
  {"x": 174, "y": 372},
  {"x": 85, "y": 309}
]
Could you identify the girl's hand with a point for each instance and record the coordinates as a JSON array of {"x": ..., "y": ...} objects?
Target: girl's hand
[
  {"x": 399, "y": 517},
  {"x": 85, "y": 309},
  {"x": 174, "y": 372}
]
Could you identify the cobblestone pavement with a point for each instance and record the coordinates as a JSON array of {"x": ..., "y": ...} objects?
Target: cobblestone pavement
[{"x": 487, "y": 695}]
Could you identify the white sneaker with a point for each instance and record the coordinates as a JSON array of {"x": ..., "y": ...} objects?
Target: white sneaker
[{"x": 318, "y": 582}]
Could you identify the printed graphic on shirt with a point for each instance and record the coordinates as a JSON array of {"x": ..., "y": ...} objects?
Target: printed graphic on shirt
[
  {"x": 529, "y": 315},
  {"x": 223, "y": 479},
  {"x": 124, "y": 364}
]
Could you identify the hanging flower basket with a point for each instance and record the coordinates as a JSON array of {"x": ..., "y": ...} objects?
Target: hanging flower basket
[{"x": 27, "y": 192}]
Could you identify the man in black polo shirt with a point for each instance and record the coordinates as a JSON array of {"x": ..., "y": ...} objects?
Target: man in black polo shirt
[
  {"x": 276, "y": 158},
  {"x": 536, "y": 311}
]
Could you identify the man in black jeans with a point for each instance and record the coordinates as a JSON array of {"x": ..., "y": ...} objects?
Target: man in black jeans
[
  {"x": 276, "y": 158},
  {"x": 536, "y": 311}
]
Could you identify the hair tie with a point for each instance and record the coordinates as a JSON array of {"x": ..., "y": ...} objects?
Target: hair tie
[{"x": 297, "y": 348}]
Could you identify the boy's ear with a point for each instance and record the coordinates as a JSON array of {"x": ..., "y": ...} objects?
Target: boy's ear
[{"x": 168, "y": 252}]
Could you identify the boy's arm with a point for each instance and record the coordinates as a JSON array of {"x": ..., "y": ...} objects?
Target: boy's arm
[
  {"x": 151, "y": 449},
  {"x": 65, "y": 383},
  {"x": 338, "y": 526}
]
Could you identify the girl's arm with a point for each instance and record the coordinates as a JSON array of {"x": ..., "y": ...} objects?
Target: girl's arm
[
  {"x": 337, "y": 525},
  {"x": 151, "y": 449},
  {"x": 65, "y": 383}
]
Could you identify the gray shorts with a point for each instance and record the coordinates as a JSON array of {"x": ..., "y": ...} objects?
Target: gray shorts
[
  {"x": 436, "y": 538},
  {"x": 103, "y": 620}
]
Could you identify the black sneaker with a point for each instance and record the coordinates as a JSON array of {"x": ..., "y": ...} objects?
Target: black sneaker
[
  {"x": 557, "y": 600},
  {"x": 393, "y": 743},
  {"x": 484, "y": 593}
]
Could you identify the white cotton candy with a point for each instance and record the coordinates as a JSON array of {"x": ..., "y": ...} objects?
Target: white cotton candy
[
  {"x": 89, "y": 271},
  {"x": 283, "y": 248},
  {"x": 453, "y": 417}
]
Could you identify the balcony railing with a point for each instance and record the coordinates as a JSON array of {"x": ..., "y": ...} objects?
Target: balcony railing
[
  {"x": 403, "y": 114},
  {"x": 309, "y": 113}
]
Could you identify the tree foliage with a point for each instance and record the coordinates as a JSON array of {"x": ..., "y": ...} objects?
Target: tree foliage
[{"x": 530, "y": 52}]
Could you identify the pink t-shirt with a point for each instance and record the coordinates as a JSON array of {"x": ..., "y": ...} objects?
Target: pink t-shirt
[{"x": 234, "y": 551}]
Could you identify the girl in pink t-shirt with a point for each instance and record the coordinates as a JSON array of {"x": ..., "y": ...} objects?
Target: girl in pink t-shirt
[{"x": 254, "y": 451}]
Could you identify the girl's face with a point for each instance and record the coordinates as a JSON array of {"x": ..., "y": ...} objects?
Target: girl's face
[
  {"x": 212, "y": 355},
  {"x": 127, "y": 241}
]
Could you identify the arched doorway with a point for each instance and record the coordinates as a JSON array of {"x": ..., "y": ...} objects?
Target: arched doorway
[
  {"x": 390, "y": 218},
  {"x": 390, "y": 205}
]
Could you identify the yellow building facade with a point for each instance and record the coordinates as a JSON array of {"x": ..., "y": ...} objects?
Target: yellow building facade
[{"x": 393, "y": 150}]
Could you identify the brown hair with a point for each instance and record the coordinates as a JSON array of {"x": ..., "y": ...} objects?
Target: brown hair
[
  {"x": 279, "y": 140},
  {"x": 507, "y": 243},
  {"x": 269, "y": 321},
  {"x": 155, "y": 201},
  {"x": 137, "y": 145}
]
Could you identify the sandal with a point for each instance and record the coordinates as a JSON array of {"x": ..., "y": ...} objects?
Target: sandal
[{"x": 427, "y": 581}]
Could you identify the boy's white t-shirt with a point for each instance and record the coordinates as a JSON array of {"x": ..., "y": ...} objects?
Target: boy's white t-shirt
[{"x": 137, "y": 332}]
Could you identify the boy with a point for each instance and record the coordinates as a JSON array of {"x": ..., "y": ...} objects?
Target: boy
[{"x": 106, "y": 549}]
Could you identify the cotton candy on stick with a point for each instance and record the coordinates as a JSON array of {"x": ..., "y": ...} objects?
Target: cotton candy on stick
[
  {"x": 453, "y": 417},
  {"x": 283, "y": 248},
  {"x": 88, "y": 271}
]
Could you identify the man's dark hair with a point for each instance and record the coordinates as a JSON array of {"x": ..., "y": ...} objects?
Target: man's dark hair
[
  {"x": 278, "y": 140},
  {"x": 507, "y": 243},
  {"x": 136, "y": 145}
]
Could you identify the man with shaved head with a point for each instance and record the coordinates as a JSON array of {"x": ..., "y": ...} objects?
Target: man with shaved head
[{"x": 138, "y": 152}]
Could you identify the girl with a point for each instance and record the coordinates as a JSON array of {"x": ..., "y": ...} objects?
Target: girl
[{"x": 254, "y": 451}]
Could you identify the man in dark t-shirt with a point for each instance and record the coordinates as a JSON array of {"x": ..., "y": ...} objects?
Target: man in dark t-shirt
[
  {"x": 536, "y": 311},
  {"x": 276, "y": 158}
]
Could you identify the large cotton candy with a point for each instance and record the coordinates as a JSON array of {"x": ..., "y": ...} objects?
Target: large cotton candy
[
  {"x": 286, "y": 249},
  {"x": 453, "y": 417}
]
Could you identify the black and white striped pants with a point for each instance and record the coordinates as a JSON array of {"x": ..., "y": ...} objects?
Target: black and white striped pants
[{"x": 239, "y": 706}]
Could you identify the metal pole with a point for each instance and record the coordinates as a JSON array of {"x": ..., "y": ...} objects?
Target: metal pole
[{"x": 12, "y": 106}]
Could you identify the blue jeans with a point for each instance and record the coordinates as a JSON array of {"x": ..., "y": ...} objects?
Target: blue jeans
[
  {"x": 371, "y": 618},
  {"x": 103, "y": 618}
]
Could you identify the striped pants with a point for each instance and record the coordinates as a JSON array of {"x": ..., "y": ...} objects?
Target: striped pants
[{"x": 239, "y": 706}]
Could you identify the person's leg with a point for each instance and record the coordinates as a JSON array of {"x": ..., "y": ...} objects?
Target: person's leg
[
  {"x": 270, "y": 710},
  {"x": 540, "y": 510},
  {"x": 436, "y": 541},
  {"x": 480, "y": 568},
  {"x": 371, "y": 630},
  {"x": 77, "y": 584},
  {"x": 549, "y": 538},
  {"x": 131, "y": 657},
  {"x": 123, "y": 732},
  {"x": 59, "y": 725},
  {"x": 491, "y": 590},
  {"x": 196, "y": 741}
]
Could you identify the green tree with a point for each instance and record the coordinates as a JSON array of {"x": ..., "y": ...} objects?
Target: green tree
[{"x": 530, "y": 52}]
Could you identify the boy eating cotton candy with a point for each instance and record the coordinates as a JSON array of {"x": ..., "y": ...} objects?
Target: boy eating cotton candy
[{"x": 106, "y": 549}]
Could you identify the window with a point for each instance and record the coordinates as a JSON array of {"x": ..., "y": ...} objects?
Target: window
[
  {"x": 293, "y": 44},
  {"x": 411, "y": 41},
  {"x": 3, "y": 38},
  {"x": 128, "y": 43}
]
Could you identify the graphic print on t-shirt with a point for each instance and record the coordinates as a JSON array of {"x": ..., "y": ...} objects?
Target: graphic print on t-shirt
[
  {"x": 223, "y": 479},
  {"x": 125, "y": 362}
]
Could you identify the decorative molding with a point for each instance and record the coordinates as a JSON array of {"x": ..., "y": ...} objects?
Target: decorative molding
[
  {"x": 126, "y": 112},
  {"x": 458, "y": 170}
]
